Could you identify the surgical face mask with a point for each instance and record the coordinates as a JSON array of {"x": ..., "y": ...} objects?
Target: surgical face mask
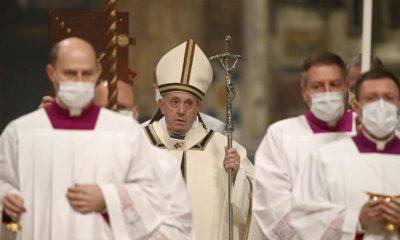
[
  {"x": 76, "y": 95},
  {"x": 327, "y": 106},
  {"x": 158, "y": 95},
  {"x": 380, "y": 118}
]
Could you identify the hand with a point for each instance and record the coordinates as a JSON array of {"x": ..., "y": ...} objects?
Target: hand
[
  {"x": 371, "y": 214},
  {"x": 46, "y": 100},
  {"x": 391, "y": 211},
  {"x": 232, "y": 161},
  {"x": 13, "y": 205},
  {"x": 86, "y": 198}
]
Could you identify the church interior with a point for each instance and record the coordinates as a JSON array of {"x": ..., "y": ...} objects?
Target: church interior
[{"x": 273, "y": 37}]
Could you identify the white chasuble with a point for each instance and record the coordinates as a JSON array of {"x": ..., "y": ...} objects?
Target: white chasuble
[{"x": 200, "y": 155}]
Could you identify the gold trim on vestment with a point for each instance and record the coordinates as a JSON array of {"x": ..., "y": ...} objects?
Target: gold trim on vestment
[
  {"x": 250, "y": 212},
  {"x": 170, "y": 87},
  {"x": 203, "y": 143},
  {"x": 153, "y": 137},
  {"x": 187, "y": 62},
  {"x": 184, "y": 167}
]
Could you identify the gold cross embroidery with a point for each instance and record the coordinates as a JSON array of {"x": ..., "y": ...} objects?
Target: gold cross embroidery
[{"x": 177, "y": 145}]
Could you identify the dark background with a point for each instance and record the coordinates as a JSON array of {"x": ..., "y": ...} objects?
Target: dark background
[{"x": 23, "y": 53}]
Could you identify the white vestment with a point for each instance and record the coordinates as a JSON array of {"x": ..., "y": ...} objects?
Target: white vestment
[
  {"x": 178, "y": 224},
  {"x": 213, "y": 123},
  {"x": 278, "y": 160},
  {"x": 41, "y": 163},
  {"x": 201, "y": 156},
  {"x": 333, "y": 186}
]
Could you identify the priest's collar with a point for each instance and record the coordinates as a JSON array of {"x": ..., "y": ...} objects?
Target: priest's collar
[
  {"x": 177, "y": 136},
  {"x": 367, "y": 144},
  {"x": 60, "y": 118},
  {"x": 178, "y": 139},
  {"x": 344, "y": 124}
]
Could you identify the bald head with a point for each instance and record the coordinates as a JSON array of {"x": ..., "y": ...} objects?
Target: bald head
[
  {"x": 72, "y": 59},
  {"x": 125, "y": 98},
  {"x": 74, "y": 44}
]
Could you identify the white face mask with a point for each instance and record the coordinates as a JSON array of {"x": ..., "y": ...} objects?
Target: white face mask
[
  {"x": 380, "y": 118},
  {"x": 158, "y": 95},
  {"x": 76, "y": 95},
  {"x": 327, "y": 106}
]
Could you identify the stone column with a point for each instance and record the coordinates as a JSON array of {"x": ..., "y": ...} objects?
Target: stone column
[{"x": 256, "y": 85}]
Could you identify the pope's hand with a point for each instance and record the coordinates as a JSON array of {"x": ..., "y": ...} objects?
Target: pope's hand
[
  {"x": 86, "y": 198},
  {"x": 232, "y": 161},
  {"x": 13, "y": 205}
]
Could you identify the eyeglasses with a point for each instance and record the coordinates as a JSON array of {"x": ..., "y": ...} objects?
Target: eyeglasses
[{"x": 175, "y": 103}]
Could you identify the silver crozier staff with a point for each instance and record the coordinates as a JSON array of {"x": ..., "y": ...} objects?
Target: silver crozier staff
[{"x": 225, "y": 59}]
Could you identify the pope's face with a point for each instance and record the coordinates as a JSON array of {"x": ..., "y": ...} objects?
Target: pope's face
[
  {"x": 180, "y": 110},
  {"x": 322, "y": 78}
]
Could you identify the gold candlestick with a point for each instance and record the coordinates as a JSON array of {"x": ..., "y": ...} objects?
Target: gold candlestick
[
  {"x": 10, "y": 228},
  {"x": 389, "y": 227}
]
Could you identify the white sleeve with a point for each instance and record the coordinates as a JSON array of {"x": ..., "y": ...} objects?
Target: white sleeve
[
  {"x": 241, "y": 190},
  {"x": 272, "y": 199},
  {"x": 138, "y": 206},
  {"x": 314, "y": 216},
  {"x": 8, "y": 162},
  {"x": 178, "y": 224}
]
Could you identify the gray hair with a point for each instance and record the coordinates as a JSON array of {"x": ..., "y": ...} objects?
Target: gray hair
[
  {"x": 355, "y": 61},
  {"x": 322, "y": 58}
]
